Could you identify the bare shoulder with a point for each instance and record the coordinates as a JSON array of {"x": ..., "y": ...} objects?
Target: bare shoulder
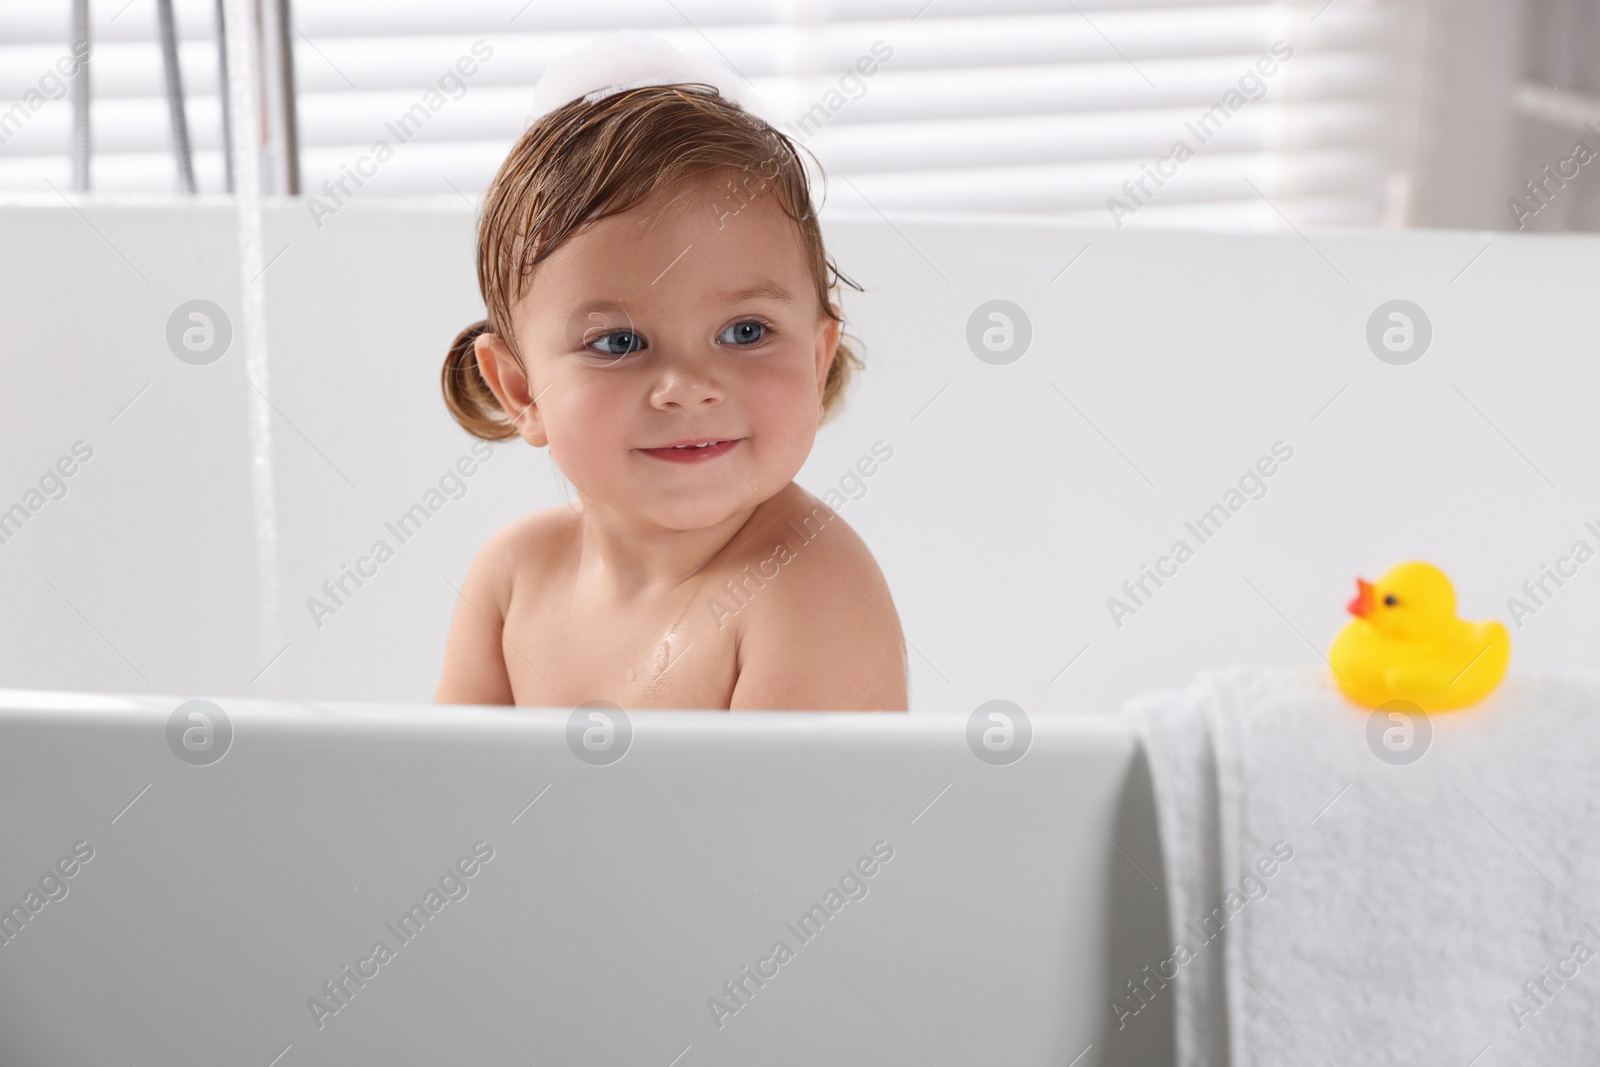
[
  {"x": 474, "y": 670},
  {"x": 519, "y": 553},
  {"x": 528, "y": 542},
  {"x": 817, "y": 624},
  {"x": 536, "y": 528}
]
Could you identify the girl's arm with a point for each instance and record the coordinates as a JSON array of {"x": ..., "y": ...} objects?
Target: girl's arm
[{"x": 474, "y": 662}]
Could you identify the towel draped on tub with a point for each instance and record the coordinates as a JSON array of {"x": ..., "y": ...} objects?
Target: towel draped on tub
[{"x": 1347, "y": 886}]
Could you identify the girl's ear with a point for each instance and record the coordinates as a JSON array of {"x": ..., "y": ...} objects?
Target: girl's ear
[
  {"x": 509, "y": 385},
  {"x": 828, "y": 330}
]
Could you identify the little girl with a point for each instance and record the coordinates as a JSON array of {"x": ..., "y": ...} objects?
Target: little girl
[{"x": 659, "y": 317}]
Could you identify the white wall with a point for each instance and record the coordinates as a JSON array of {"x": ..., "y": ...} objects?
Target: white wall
[{"x": 1163, "y": 364}]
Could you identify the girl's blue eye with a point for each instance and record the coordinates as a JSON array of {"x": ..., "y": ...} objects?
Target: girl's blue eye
[
  {"x": 630, "y": 338},
  {"x": 745, "y": 331}
]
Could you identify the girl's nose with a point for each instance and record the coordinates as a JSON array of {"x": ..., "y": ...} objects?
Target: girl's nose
[{"x": 687, "y": 380}]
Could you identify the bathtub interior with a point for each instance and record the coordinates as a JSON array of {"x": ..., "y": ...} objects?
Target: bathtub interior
[{"x": 1015, "y": 500}]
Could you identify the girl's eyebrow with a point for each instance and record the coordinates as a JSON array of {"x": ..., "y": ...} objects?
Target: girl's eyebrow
[
  {"x": 769, "y": 289},
  {"x": 765, "y": 288}
]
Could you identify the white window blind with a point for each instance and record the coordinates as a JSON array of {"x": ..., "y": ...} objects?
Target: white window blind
[{"x": 978, "y": 105}]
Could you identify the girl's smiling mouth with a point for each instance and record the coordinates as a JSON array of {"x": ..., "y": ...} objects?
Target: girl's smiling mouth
[{"x": 694, "y": 450}]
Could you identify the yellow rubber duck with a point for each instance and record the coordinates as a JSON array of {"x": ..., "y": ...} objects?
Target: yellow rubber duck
[{"x": 1405, "y": 643}]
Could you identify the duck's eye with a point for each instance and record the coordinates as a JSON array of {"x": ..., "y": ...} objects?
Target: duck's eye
[{"x": 1390, "y": 601}]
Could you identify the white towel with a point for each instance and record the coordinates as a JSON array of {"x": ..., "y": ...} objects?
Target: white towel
[{"x": 1443, "y": 911}]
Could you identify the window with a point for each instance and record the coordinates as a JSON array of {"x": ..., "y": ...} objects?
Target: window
[{"x": 1120, "y": 112}]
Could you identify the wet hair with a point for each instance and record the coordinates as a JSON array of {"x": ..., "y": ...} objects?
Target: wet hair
[{"x": 584, "y": 162}]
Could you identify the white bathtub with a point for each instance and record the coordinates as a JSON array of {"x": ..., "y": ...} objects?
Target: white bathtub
[
  {"x": 606, "y": 913},
  {"x": 180, "y": 558}
]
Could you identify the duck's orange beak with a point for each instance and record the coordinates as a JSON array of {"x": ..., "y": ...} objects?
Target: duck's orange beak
[{"x": 1361, "y": 606}]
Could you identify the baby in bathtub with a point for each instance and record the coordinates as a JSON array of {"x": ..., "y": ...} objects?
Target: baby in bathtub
[{"x": 659, "y": 317}]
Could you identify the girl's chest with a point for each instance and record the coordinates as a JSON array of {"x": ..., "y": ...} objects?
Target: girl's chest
[{"x": 679, "y": 654}]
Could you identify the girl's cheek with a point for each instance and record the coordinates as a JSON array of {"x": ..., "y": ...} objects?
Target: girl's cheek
[
  {"x": 786, "y": 383},
  {"x": 777, "y": 409}
]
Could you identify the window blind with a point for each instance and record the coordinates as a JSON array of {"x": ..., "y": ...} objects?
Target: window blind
[{"x": 971, "y": 105}]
